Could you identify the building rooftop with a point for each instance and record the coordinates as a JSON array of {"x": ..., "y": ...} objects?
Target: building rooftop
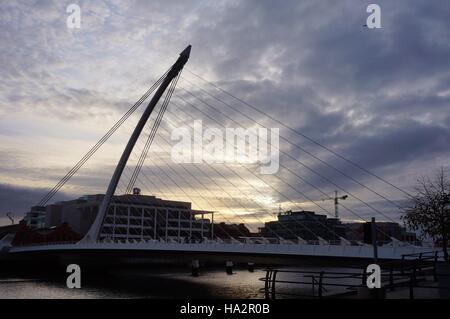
[{"x": 130, "y": 199}]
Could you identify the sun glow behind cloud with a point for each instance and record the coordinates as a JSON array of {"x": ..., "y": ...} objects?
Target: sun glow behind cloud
[{"x": 378, "y": 98}]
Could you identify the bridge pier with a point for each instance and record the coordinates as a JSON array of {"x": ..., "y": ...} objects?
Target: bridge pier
[
  {"x": 229, "y": 267},
  {"x": 195, "y": 269}
]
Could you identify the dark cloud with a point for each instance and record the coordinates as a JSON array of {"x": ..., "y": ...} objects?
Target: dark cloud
[{"x": 18, "y": 200}]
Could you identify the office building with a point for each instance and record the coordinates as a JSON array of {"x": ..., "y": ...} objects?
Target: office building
[
  {"x": 306, "y": 225},
  {"x": 133, "y": 216}
]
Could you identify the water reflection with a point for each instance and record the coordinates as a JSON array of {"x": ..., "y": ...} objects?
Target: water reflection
[{"x": 143, "y": 283}]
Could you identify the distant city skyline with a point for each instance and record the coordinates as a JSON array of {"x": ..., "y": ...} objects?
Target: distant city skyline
[{"x": 378, "y": 97}]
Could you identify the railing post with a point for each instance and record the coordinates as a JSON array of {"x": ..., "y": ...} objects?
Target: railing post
[
  {"x": 434, "y": 266},
  {"x": 320, "y": 284},
  {"x": 267, "y": 283},
  {"x": 364, "y": 277},
  {"x": 274, "y": 278},
  {"x": 402, "y": 269},
  {"x": 391, "y": 278},
  {"x": 420, "y": 264},
  {"x": 374, "y": 240},
  {"x": 411, "y": 286}
]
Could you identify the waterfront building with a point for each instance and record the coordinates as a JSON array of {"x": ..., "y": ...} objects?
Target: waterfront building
[
  {"x": 386, "y": 232},
  {"x": 147, "y": 217},
  {"x": 25, "y": 235},
  {"x": 306, "y": 225},
  {"x": 231, "y": 231},
  {"x": 35, "y": 218},
  {"x": 134, "y": 216}
]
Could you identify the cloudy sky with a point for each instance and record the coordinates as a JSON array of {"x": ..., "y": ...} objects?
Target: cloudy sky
[{"x": 379, "y": 97}]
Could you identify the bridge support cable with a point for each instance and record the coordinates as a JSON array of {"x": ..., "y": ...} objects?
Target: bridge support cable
[
  {"x": 217, "y": 198},
  {"x": 284, "y": 182},
  {"x": 189, "y": 197},
  {"x": 94, "y": 149},
  {"x": 288, "y": 155},
  {"x": 303, "y": 135},
  {"x": 292, "y": 187},
  {"x": 93, "y": 232},
  {"x": 132, "y": 202},
  {"x": 255, "y": 216},
  {"x": 193, "y": 176},
  {"x": 205, "y": 187},
  {"x": 145, "y": 151},
  {"x": 149, "y": 141},
  {"x": 169, "y": 177},
  {"x": 151, "y": 136},
  {"x": 296, "y": 146},
  {"x": 253, "y": 174},
  {"x": 245, "y": 181}
]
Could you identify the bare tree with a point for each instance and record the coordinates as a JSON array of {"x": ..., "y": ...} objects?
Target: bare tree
[{"x": 429, "y": 212}]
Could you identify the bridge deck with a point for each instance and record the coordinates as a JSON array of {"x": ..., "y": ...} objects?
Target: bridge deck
[{"x": 279, "y": 250}]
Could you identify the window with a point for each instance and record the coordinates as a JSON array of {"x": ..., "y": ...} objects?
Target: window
[
  {"x": 137, "y": 212},
  {"x": 135, "y": 221},
  {"x": 135, "y": 231}
]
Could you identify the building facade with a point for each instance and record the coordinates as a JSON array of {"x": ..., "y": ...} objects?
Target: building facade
[
  {"x": 231, "y": 231},
  {"x": 35, "y": 218},
  {"x": 134, "y": 216},
  {"x": 306, "y": 225},
  {"x": 386, "y": 231},
  {"x": 148, "y": 217}
]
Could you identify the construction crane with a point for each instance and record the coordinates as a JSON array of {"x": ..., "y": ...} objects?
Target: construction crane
[
  {"x": 336, "y": 199},
  {"x": 11, "y": 217}
]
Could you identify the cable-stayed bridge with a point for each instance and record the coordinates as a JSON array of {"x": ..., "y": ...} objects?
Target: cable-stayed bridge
[{"x": 101, "y": 242}]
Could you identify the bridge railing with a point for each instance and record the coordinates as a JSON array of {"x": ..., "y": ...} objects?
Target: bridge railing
[
  {"x": 433, "y": 255},
  {"x": 239, "y": 240},
  {"x": 282, "y": 283},
  {"x": 251, "y": 240},
  {"x": 51, "y": 243}
]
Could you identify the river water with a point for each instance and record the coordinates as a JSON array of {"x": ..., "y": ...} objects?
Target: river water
[{"x": 154, "y": 283}]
